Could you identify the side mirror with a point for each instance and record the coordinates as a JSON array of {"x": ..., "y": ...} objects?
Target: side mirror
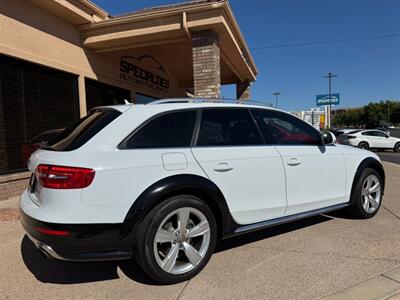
[{"x": 328, "y": 138}]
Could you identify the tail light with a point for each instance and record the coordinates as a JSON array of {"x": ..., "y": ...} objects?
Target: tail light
[
  {"x": 60, "y": 177},
  {"x": 349, "y": 137},
  {"x": 52, "y": 232}
]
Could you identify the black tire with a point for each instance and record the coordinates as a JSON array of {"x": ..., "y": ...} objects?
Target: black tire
[
  {"x": 396, "y": 147},
  {"x": 144, "y": 248},
  {"x": 363, "y": 145},
  {"x": 357, "y": 209}
]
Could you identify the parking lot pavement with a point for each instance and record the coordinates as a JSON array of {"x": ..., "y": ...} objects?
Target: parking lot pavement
[
  {"x": 389, "y": 156},
  {"x": 331, "y": 255}
]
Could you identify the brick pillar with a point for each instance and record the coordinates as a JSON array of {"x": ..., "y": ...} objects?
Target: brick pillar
[
  {"x": 243, "y": 90},
  {"x": 206, "y": 64}
]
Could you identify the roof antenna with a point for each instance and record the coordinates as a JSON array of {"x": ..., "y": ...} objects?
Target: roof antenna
[{"x": 126, "y": 102}]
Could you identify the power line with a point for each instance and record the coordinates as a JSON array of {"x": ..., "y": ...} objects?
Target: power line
[{"x": 393, "y": 35}]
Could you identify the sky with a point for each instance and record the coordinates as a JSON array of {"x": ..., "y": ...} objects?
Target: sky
[{"x": 295, "y": 42}]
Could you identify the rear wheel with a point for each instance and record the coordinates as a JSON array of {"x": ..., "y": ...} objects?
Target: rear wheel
[
  {"x": 367, "y": 195},
  {"x": 176, "y": 239},
  {"x": 363, "y": 145},
  {"x": 396, "y": 147}
]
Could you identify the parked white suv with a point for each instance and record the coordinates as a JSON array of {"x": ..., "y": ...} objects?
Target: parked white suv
[
  {"x": 371, "y": 139},
  {"x": 163, "y": 182}
]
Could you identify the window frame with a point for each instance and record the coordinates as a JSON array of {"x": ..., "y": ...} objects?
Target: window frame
[
  {"x": 200, "y": 118},
  {"x": 270, "y": 135},
  {"x": 379, "y": 133},
  {"x": 367, "y": 133},
  {"x": 122, "y": 145}
]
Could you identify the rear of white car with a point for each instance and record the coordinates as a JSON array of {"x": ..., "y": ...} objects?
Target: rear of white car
[
  {"x": 52, "y": 208},
  {"x": 84, "y": 184}
]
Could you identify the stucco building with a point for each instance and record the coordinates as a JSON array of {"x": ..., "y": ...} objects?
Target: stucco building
[{"x": 60, "y": 58}]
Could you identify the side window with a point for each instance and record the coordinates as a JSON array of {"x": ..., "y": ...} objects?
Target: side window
[
  {"x": 228, "y": 127},
  {"x": 173, "y": 129},
  {"x": 379, "y": 134},
  {"x": 286, "y": 129}
]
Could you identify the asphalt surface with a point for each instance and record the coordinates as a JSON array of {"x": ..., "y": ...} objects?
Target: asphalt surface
[
  {"x": 388, "y": 156},
  {"x": 309, "y": 259}
]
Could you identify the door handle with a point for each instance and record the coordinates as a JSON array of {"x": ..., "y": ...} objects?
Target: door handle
[
  {"x": 293, "y": 161},
  {"x": 223, "y": 167}
]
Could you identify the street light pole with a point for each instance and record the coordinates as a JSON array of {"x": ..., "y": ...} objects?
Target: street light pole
[
  {"x": 276, "y": 94},
  {"x": 330, "y": 76}
]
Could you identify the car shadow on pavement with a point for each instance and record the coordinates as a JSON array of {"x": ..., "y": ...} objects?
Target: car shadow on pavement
[
  {"x": 66, "y": 272},
  {"x": 63, "y": 272}
]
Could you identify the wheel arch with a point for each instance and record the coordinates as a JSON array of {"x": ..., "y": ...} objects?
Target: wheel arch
[
  {"x": 184, "y": 184},
  {"x": 372, "y": 163}
]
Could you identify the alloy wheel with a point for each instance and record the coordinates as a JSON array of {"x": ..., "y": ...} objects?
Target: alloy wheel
[
  {"x": 182, "y": 240},
  {"x": 371, "y": 194}
]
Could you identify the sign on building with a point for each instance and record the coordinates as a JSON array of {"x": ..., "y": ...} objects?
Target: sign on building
[
  {"x": 146, "y": 72},
  {"x": 324, "y": 99}
]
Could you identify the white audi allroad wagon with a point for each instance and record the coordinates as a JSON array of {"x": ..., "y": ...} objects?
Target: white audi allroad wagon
[{"x": 163, "y": 182}]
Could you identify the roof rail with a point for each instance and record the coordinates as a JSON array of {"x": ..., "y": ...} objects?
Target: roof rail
[{"x": 204, "y": 100}]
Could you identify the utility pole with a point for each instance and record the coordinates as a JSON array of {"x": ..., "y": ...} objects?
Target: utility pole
[
  {"x": 330, "y": 76},
  {"x": 276, "y": 94}
]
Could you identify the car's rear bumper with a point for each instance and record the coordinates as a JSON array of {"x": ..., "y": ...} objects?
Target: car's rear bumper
[{"x": 77, "y": 242}]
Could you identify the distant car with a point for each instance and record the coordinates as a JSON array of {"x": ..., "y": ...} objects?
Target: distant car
[
  {"x": 34, "y": 144},
  {"x": 371, "y": 139},
  {"x": 345, "y": 130},
  {"x": 337, "y": 132}
]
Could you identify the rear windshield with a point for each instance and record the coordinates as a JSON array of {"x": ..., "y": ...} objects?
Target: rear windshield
[{"x": 82, "y": 131}]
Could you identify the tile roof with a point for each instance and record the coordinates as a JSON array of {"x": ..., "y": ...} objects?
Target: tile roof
[{"x": 167, "y": 6}]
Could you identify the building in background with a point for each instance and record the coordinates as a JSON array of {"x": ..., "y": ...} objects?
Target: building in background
[
  {"x": 315, "y": 117},
  {"x": 58, "y": 59}
]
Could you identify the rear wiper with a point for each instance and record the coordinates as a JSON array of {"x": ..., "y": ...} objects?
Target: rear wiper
[{"x": 45, "y": 146}]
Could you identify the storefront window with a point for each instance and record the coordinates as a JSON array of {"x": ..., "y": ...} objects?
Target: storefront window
[
  {"x": 101, "y": 94},
  {"x": 35, "y": 103},
  {"x": 143, "y": 99}
]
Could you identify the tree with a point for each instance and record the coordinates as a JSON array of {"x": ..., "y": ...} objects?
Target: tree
[{"x": 369, "y": 116}]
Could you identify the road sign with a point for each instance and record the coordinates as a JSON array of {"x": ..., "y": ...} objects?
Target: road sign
[{"x": 324, "y": 99}]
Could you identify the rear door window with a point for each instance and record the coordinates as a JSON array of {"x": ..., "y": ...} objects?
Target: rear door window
[
  {"x": 170, "y": 130},
  {"x": 228, "y": 127},
  {"x": 82, "y": 131}
]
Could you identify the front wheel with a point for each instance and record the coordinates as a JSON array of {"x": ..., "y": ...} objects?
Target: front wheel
[
  {"x": 367, "y": 194},
  {"x": 396, "y": 147},
  {"x": 176, "y": 239}
]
